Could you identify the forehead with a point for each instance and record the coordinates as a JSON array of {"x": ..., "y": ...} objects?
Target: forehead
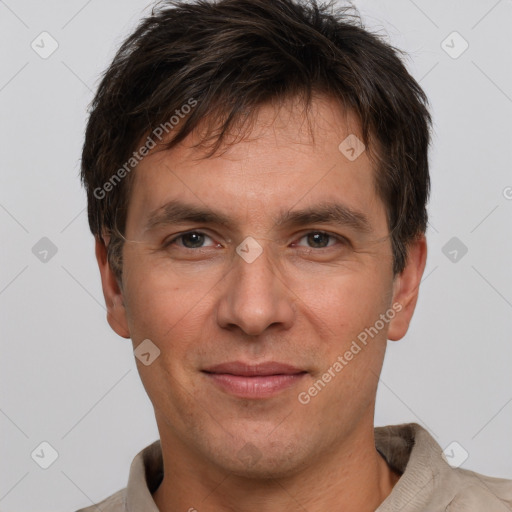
[{"x": 284, "y": 157}]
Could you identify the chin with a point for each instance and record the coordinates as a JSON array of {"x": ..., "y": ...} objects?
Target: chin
[
  {"x": 264, "y": 471},
  {"x": 266, "y": 462}
]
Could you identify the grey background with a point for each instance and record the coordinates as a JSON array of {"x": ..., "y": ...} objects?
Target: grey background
[{"x": 67, "y": 379}]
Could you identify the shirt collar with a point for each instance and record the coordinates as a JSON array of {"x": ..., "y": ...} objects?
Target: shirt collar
[
  {"x": 146, "y": 473},
  {"x": 411, "y": 450}
]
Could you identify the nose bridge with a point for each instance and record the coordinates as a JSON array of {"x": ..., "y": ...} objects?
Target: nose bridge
[
  {"x": 253, "y": 269},
  {"x": 254, "y": 297}
]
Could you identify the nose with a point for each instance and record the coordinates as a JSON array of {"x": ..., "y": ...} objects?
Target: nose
[{"x": 255, "y": 296}]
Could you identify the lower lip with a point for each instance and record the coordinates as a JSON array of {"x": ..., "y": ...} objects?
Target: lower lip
[{"x": 262, "y": 386}]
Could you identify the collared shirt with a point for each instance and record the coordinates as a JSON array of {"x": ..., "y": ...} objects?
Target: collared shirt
[{"x": 427, "y": 483}]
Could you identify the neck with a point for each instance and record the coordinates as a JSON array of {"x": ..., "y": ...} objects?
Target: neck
[{"x": 353, "y": 478}]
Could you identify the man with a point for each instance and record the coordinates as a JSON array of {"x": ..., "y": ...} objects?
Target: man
[{"x": 257, "y": 180}]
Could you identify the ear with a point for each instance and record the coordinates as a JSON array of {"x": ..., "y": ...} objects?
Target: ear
[
  {"x": 406, "y": 288},
  {"x": 116, "y": 312}
]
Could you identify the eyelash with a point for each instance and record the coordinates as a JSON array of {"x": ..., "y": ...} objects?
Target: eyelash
[{"x": 339, "y": 238}]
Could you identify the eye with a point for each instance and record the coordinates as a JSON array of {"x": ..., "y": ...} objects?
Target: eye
[
  {"x": 321, "y": 239},
  {"x": 189, "y": 240}
]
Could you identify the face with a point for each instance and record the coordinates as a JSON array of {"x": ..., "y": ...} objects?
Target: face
[{"x": 256, "y": 274}]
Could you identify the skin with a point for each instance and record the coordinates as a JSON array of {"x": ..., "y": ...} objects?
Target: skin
[{"x": 302, "y": 301}]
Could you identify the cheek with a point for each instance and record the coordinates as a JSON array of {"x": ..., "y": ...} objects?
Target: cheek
[
  {"x": 176, "y": 315},
  {"x": 173, "y": 319},
  {"x": 349, "y": 302},
  {"x": 159, "y": 299}
]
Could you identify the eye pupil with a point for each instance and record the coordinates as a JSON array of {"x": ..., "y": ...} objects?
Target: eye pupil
[
  {"x": 316, "y": 239},
  {"x": 197, "y": 240}
]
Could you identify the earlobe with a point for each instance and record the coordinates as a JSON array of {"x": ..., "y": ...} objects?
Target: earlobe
[
  {"x": 406, "y": 288},
  {"x": 116, "y": 312}
]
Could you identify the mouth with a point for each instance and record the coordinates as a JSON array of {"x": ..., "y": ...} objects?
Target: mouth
[{"x": 258, "y": 381}]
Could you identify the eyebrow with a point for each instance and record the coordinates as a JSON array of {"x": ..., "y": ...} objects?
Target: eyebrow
[{"x": 177, "y": 211}]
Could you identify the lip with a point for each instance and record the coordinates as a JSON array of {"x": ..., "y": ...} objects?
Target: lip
[
  {"x": 254, "y": 381},
  {"x": 252, "y": 370}
]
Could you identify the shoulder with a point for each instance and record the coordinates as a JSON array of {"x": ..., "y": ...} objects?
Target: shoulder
[
  {"x": 461, "y": 490},
  {"x": 114, "y": 503},
  {"x": 476, "y": 492},
  {"x": 146, "y": 473},
  {"x": 429, "y": 481}
]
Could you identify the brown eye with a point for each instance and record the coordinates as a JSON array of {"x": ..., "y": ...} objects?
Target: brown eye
[
  {"x": 320, "y": 239},
  {"x": 190, "y": 240}
]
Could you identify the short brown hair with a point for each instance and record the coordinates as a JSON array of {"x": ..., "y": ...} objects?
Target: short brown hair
[{"x": 232, "y": 56}]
